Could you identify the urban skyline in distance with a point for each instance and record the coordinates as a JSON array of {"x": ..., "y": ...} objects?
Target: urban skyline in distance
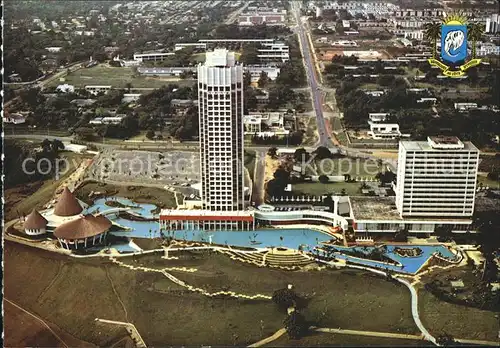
[{"x": 265, "y": 173}]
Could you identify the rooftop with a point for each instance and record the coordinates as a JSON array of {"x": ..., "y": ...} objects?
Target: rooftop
[
  {"x": 35, "y": 221},
  {"x": 374, "y": 208},
  {"x": 83, "y": 227},
  {"x": 439, "y": 143},
  {"x": 220, "y": 57}
]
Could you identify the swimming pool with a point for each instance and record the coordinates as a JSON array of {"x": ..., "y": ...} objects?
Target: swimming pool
[
  {"x": 306, "y": 239},
  {"x": 408, "y": 264}
]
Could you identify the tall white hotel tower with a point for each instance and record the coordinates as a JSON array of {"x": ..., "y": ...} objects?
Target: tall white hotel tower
[
  {"x": 220, "y": 107},
  {"x": 437, "y": 178}
]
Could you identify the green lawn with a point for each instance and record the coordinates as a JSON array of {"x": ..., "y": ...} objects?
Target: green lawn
[
  {"x": 327, "y": 339},
  {"x": 352, "y": 166},
  {"x": 458, "y": 321},
  {"x": 318, "y": 189},
  {"x": 117, "y": 78},
  {"x": 487, "y": 182}
]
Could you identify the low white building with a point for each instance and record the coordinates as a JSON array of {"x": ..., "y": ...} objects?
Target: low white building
[
  {"x": 14, "y": 118},
  {"x": 256, "y": 70},
  {"x": 345, "y": 43},
  {"x": 107, "y": 120},
  {"x": 65, "y": 88},
  {"x": 95, "y": 90},
  {"x": 252, "y": 124},
  {"x": 384, "y": 130},
  {"x": 153, "y": 56},
  {"x": 53, "y": 49},
  {"x": 378, "y": 116},
  {"x": 465, "y": 106}
]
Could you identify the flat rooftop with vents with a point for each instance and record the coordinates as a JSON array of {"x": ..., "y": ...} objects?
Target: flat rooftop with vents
[{"x": 438, "y": 143}]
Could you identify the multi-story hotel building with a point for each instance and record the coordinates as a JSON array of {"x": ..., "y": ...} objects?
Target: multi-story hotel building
[
  {"x": 436, "y": 178},
  {"x": 220, "y": 107}
]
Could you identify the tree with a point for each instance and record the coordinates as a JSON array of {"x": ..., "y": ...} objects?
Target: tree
[
  {"x": 273, "y": 152},
  {"x": 150, "y": 134},
  {"x": 295, "y": 325},
  {"x": 84, "y": 133},
  {"x": 432, "y": 31},
  {"x": 301, "y": 155},
  {"x": 445, "y": 340},
  {"x": 324, "y": 179},
  {"x": 475, "y": 32},
  {"x": 343, "y": 192},
  {"x": 284, "y": 298},
  {"x": 250, "y": 55},
  {"x": 56, "y": 145},
  {"x": 401, "y": 235},
  {"x": 263, "y": 79},
  {"x": 322, "y": 152},
  {"x": 128, "y": 86}
]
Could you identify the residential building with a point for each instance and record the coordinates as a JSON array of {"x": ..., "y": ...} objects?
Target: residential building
[
  {"x": 65, "y": 88},
  {"x": 256, "y": 71},
  {"x": 436, "y": 178},
  {"x": 152, "y": 56},
  {"x": 465, "y": 106},
  {"x": 261, "y": 16},
  {"x": 493, "y": 24},
  {"x": 95, "y": 90},
  {"x": 220, "y": 107},
  {"x": 252, "y": 124}
]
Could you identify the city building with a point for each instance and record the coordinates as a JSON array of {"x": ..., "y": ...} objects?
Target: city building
[
  {"x": 465, "y": 106},
  {"x": 436, "y": 178},
  {"x": 65, "y": 88},
  {"x": 256, "y": 70},
  {"x": 153, "y": 56},
  {"x": 493, "y": 24},
  {"x": 220, "y": 105},
  {"x": 261, "y": 16},
  {"x": 95, "y": 90},
  {"x": 487, "y": 48}
]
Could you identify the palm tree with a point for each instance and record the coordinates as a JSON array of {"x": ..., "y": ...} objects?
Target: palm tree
[
  {"x": 432, "y": 33},
  {"x": 474, "y": 32}
]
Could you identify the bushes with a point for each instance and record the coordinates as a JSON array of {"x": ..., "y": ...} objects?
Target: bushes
[
  {"x": 296, "y": 325},
  {"x": 285, "y": 298}
]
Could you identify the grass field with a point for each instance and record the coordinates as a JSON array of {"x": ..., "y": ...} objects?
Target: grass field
[
  {"x": 71, "y": 293},
  {"x": 117, "y": 78},
  {"x": 139, "y": 194},
  {"x": 458, "y": 321},
  {"x": 23, "y": 198},
  {"x": 494, "y": 184},
  {"x": 352, "y": 166},
  {"x": 319, "y": 189},
  {"x": 327, "y": 339}
]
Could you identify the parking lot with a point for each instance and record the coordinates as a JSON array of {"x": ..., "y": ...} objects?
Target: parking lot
[{"x": 175, "y": 168}]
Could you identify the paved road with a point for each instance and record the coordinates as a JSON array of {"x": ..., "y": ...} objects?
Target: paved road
[
  {"x": 258, "y": 177},
  {"x": 236, "y": 13},
  {"x": 311, "y": 76}
]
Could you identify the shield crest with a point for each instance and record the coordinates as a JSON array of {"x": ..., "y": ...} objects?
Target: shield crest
[{"x": 453, "y": 43}]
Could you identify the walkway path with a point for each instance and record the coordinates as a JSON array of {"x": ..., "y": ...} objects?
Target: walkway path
[
  {"x": 368, "y": 333},
  {"x": 37, "y": 318},
  {"x": 190, "y": 287},
  {"x": 131, "y": 329},
  {"x": 269, "y": 339}
]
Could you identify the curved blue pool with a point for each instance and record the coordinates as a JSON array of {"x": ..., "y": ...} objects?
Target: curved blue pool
[{"x": 307, "y": 239}]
